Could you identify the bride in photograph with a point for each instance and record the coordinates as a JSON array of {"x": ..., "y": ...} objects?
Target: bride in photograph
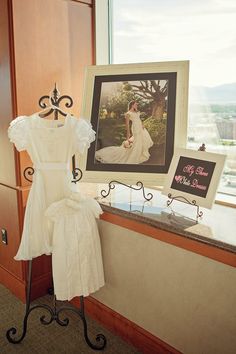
[{"x": 135, "y": 149}]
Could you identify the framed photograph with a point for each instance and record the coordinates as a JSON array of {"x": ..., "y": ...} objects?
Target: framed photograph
[
  {"x": 194, "y": 175},
  {"x": 139, "y": 114}
]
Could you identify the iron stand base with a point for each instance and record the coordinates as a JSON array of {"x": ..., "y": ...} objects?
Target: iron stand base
[{"x": 54, "y": 315}]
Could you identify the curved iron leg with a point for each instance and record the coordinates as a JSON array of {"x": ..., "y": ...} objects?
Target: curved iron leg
[
  {"x": 10, "y": 334},
  {"x": 13, "y": 330},
  {"x": 100, "y": 338}
]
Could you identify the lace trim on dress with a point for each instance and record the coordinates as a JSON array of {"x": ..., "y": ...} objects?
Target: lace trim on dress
[
  {"x": 72, "y": 205},
  {"x": 85, "y": 135},
  {"x": 18, "y": 133}
]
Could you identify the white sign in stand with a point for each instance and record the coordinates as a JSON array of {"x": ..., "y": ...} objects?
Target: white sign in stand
[{"x": 193, "y": 177}]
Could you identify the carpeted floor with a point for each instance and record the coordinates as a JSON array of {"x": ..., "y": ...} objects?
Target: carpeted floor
[{"x": 51, "y": 338}]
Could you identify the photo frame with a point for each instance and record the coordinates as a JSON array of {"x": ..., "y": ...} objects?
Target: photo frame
[
  {"x": 194, "y": 175},
  {"x": 134, "y": 143}
]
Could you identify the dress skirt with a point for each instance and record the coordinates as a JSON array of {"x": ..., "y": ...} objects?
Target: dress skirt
[{"x": 76, "y": 258}]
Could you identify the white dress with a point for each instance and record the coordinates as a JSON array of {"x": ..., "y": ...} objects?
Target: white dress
[
  {"x": 50, "y": 145},
  {"x": 138, "y": 151},
  {"x": 76, "y": 256}
]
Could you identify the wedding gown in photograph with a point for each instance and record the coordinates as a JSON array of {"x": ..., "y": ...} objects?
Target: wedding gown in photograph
[
  {"x": 138, "y": 151},
  {"x": 59, "y": 220}
]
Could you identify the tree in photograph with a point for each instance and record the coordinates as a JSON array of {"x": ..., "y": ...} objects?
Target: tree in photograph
[
  {"x": 152, "y": 92},
  {"x": 118, "y": 103}
]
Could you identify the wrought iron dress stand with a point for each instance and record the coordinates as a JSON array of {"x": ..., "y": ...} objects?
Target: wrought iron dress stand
[
  {"x": 54, "y": 312},
  {"x": 137, "y": 187}
]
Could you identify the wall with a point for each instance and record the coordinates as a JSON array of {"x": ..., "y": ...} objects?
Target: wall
[
  {"x": 42, "y": 43},
  {"x": 185, "y": 299},
  {"x": 7, "y": 163},
  {"x": 53, "y": 42}
]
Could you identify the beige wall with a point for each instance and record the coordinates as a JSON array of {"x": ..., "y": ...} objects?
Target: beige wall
[{"x": 185, "y": 299}]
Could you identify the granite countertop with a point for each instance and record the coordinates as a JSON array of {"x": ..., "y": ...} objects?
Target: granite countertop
[{"x": 217, "y": 227}]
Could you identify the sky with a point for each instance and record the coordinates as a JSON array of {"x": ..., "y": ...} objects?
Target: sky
[{"x": 202, "y": 31}]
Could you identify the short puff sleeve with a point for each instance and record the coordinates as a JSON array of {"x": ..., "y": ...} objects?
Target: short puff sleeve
[
  {"x": 18, "y": 133},
  {"x": 84, "y": 135}
]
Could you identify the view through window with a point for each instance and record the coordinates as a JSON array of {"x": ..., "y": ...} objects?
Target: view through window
[{"x": 203, "y": 32}]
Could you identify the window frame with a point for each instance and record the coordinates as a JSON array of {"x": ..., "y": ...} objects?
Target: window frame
[
  {"x": 103, "y": 30},
  {"x": 104, "y": 55}
]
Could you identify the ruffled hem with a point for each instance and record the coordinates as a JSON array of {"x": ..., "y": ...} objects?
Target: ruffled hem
[
  {"x": 29, "y": 258},
  {"x": 85, "y": 292}
]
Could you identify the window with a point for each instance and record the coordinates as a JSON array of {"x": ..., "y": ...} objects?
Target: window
[{"x": 203, "y": 32}]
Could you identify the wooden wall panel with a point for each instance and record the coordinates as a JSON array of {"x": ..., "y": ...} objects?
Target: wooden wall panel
[
  {"x": 57, "y": 50},
  {"x": 7, "y": 161},
  {"x": 41, "y": 54},
  {"x": 44, "y": 42},
  {"x": 88, "y": 2},
  {"x": 41, "y": 50},
  {"x": 9, "y": 220},
  {"x": 13, "y": 274},
  {"x": 81, "y": 40}
]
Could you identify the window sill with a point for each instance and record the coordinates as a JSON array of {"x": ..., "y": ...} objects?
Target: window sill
[{"x": 226, "y": 199}]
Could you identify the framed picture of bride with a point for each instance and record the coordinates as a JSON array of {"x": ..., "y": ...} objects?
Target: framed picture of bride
[{"x": 139, "y": 114}]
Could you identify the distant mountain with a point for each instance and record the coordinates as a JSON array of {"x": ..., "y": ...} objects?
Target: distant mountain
[{"x": 218, "y": 94}]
